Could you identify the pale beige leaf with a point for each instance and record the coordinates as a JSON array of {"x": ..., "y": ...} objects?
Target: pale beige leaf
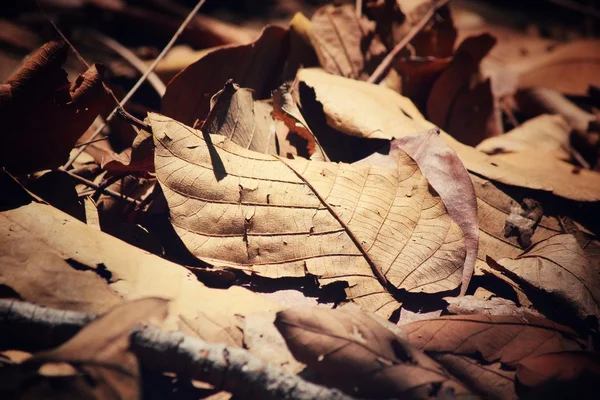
[
  {"x": 376, "y": 112},
  {"x": 549, "y": 133},
  {"x": 368, "y": 226},
  {"x": 559, "y": 267}
]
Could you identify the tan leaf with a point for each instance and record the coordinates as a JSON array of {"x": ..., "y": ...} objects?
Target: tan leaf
[
  {"x": 42, "y": 115},
  {"x": 188, "y": 95},
  {"x": 483, "y": 351},
  {"x": 378, "y": 112},
  {"x": 465, "y": 305},
  {"x": 350, "y": 350},
  {"x": 557, "y": 266},
  {"x": 570, "y": 68},
  {"x": 544, "y": 133},
  {"x": 345, "y": 43},
  {"x": 276, "y": 217},
  {"x": 29, "y": 227},
  {"x": 235, "y": 114}
]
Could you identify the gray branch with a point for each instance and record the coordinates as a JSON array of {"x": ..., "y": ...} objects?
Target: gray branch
[{"x": 26, "y": 326}]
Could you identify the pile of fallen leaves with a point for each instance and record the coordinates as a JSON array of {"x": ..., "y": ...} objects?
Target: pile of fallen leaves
[{"x": 375, "y": 203}]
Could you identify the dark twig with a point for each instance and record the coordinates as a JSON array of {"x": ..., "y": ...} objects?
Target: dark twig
[
  {"x": 30, "y": 327},
  {"x": 385, "y": 64},
  {"x": 140, "y": 81},
  {"x": 106, "y": 191}
]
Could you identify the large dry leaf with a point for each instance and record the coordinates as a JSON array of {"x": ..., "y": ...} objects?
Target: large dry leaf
[
  {"x": 42, "y": 115},
  {"x": 559, "y": 267},
  {"x": 256, "y": 66},
  {"x": 28, "y": 227},
  {"x": 378, "y": 112},
  {"x": 368, "y": 226},
  {"x": 483, "y": 351},
  {"x": 235, "y": 114},
  {"x": 345, "y": 43},
  {"x": 350, "y": 350},
  {"x": 546, "y": 133}
]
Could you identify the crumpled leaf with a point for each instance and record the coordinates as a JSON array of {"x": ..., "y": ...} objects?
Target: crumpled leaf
[
  {"x": 457, "y": 102},
  {"x": 466, "y": 305},
  {"x": 559, "y": 267},
  {"x": 350, "y": 350},
  {"x": 447, "y": 175},
  {"x": 523, "y": 220},
  {"x": 42, "y": 115},
  {"x": 138, "y": 158},
  {"x": 188, "y": 95},
  {"x": 276, "y": 217},
  {"x": 345, "y": 43},
  {"x": 235, "y": 114},
  {"x": 483, "y": 351},
  {"x": 546, "y": 133},
  {"x": 568, "y": 374}
]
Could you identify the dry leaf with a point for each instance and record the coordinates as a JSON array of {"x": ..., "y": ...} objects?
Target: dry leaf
[
  {"x": 101, "y": 350},
  {"x": 459, "y": 102},
  {"x": 277, "y": 217},
  {"x": 483, "y": 351},
  {"x": 447, "y": 175},
  {"x": 351, "y": 351},
  {"x": 138, "y": 158},
  {"x": 418, "y": 76},
  {"x": 345, "y": 43},
  {"x": 188, "y": 95},
  {"x": 545, "y": 133},
  {"x": 42, "y": 116},
  {"x": 568, "y": 374},
  {"x": 235, "y": 114},
  {"x": 559, "y": 267},
  {"x": 570, "y": 68},
  {"x": 467, "y": 305}
]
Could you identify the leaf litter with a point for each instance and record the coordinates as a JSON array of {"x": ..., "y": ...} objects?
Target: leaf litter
[{"x": 430, "y": 236}]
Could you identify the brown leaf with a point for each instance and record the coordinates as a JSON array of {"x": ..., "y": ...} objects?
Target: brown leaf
[
  {"x": 447, "y": 175},
  {"x": 351, "y": 351},
  {"x": 345, "y": 43},
  {"x": 419, "y": 75},
  {"x": 559, "y": 267},
  {"x": 570, "y": 68},
  {"x": 545, "y": 133},
  {"x": 257, "y": 66},
  {"x": 285, "y": 109},
  {"x": 568, "y": 374},
  {"x": 138, "y": 158},
  {"x": 455, "y": 103},
  {"x": 483, "y": 351},
  {"x": 235, "y": 114},
  {"x": 42, "y": 115},
  {"x": 101, "y": 350},
  {"x": 277, "y": 217}
]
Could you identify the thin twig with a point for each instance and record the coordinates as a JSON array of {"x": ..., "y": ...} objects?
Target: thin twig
[
  {"x": 91, "y": 141},
  {"x": 131, "y": 58},
  {"x": 382, "y": 68},
  {"x": 106, "y": 191},
  {"x": 142, "y": 79},
  {"x": 30, "y": 327}
]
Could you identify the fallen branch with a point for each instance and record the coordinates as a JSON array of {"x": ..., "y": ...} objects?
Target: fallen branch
[
  {"x": 29, "y": 327},
  {"x": 385, "y": 64}
]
